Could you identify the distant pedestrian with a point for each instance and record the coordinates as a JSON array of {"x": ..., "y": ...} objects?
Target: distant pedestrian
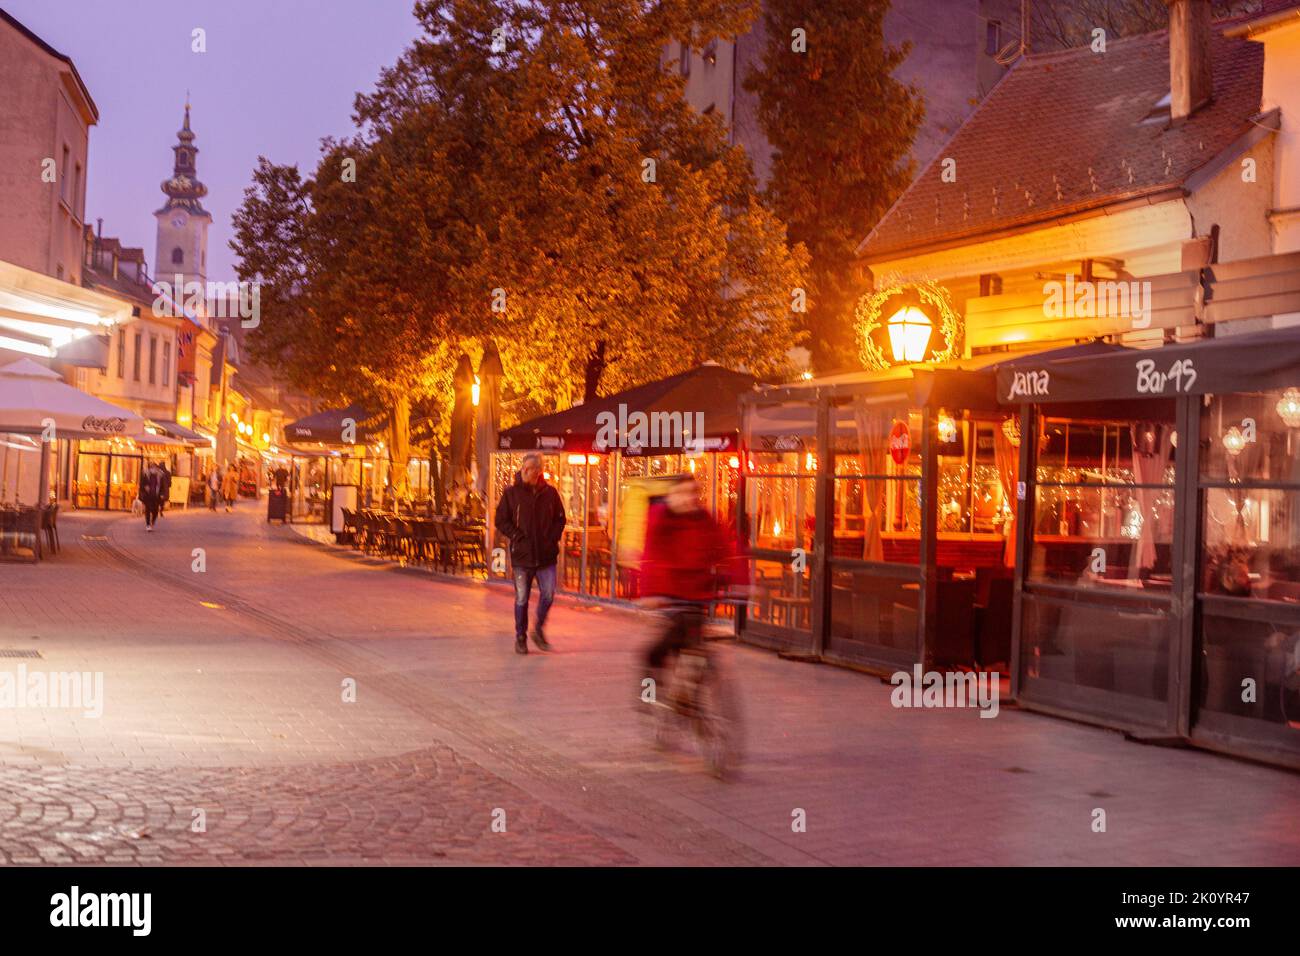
[
  {"x": 214, "y": 487},
  {"x": 531, "y": 515},
  {"x": 230, "y": 487},
  {"x": 151, "y": 484},
  {"x": 166, "y": 487}
]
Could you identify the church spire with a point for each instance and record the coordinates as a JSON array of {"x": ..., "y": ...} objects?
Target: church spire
[{"x": 183, "y": 188}]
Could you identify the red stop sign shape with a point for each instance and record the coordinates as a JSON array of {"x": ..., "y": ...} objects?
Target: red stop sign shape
[{"x": 900, "y": 442}]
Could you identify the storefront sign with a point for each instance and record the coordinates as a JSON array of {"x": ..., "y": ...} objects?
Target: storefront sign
[
  {"x": 900, "y": 443},
  {"x": 1035, "y": 384},
  {"x": 104, "y": 426}
]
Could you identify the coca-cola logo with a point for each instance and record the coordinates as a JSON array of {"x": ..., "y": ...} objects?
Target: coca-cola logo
[
  {"x": 107, "y": 425},
  {"x": 900, "y": 442}
]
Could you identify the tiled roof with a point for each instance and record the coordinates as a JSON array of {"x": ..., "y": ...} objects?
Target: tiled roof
[{"x": 1064, "y": 132}]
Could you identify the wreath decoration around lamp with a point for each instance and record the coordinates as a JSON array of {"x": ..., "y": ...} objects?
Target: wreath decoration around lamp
[{"x": 892, "y": 304}]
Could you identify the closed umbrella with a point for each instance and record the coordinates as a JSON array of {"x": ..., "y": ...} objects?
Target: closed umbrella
[
  {"x": 488, "y": 422},
  {"x": 462, "y": 420}
]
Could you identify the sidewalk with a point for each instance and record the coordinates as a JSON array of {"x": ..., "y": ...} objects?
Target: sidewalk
[{"x": 248, "y": 690}]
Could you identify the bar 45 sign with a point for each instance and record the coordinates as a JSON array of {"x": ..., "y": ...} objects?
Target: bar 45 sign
[{"x": 1150, "y": 382}]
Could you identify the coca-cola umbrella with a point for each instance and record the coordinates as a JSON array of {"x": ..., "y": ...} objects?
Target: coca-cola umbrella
[{"x": 32, "y": 398}]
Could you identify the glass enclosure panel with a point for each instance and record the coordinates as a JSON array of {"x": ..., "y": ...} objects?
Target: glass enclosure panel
[
  {"x": 1252, "y": 543},
  {"x": 1102, "y": 647},
  {"x": 781, "y": 439},
  {"x": 1252, "y": 437},
  {"x": 1266, "y": 652},
  {"x": 90, "y": 487},
  {"x": 20, "y": 465},
  {"x": 782, "y": 596},
  {"x": 873, "y": 438},
  {"x": 1104, "y": 504},
  {"x": 125, "y": 482},
  {"x": 1104, "y": 537},
  {"x": 599, "y": 541},
  {"x": 877, "y": 519},
  {"x": 781, "y": 512},
  {"x": 571, "y": 483},
  {"x": 870, "y": 610}
]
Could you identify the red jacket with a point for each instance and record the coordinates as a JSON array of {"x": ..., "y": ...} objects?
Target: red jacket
[{"x": 688, "y": 556}]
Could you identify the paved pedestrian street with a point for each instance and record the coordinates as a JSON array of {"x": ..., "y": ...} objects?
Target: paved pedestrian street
[{"x": 225, "y": 735}]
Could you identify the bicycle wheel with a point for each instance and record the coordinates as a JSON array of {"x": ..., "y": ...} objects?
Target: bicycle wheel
[{"x": 719, "y": 725}]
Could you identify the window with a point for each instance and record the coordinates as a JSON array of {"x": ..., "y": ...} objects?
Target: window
[
  {"x": 711, "y": 52},
  {"x": 136, "y": 373},
  {"x": 1249, "y": 580},
  {"x": 992, "y": 37},
  {"x": 167, "y": 364},
  {"x": 178, "y": 256},
  {"x": 1104, "y": 504},
  {"x": 153, "y": 360},
  {"x": 1250, "y": 473},
  {"x": 76, "y": 192},
  {"x": 121, "y": 353},
  {"x": 65, "y": 174},
  {"x": 684, "y": 60}
]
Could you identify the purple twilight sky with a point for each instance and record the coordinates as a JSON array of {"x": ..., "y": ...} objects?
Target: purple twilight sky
[{"x": 278, "y": 75}]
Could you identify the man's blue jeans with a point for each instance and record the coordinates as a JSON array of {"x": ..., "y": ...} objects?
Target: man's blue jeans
[{"x": 524, "y": 578}]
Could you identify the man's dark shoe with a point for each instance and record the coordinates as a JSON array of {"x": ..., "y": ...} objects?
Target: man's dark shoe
[
  {"x": 521, "y": 645},
  {"x": 540, "y": 640}
]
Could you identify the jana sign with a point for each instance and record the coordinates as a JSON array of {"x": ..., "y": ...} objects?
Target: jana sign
[
  {"x": 900, "y": 442},
  {"x": 107, "y": 426}
]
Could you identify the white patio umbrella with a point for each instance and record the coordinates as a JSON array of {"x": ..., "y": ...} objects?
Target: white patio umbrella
[{"x": 31, "y": 396}]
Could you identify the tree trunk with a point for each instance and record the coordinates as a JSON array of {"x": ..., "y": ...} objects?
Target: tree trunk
[{"x": 595, "y": 369}]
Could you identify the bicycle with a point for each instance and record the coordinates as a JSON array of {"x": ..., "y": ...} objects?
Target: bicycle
[{"x": 702, "y": 697}]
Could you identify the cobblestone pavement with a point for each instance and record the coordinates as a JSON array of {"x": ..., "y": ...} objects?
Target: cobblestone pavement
[{"x": 223, "y": 693}]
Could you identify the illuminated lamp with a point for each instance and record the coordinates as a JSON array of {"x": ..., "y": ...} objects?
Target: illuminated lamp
[
  {"x": 809, "y": 462},
  {"x": 947, "y": 429},
  {"x": 1011, "y": 428},
  {"x": 474, "y": 391},
  {"x": 909, "y": 334},
  {"x": 733, "y": 461},
  {"x": 1288, "y": 408},
  {"x": 577, "y": 459},
  {"x": 1234, "y": 441},
  {"x": 266, "y": 437}
]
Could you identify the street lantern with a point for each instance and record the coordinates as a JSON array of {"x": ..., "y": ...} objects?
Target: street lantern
[
  {"x": 475, "y": 391},
  {"x": 909, "y": 334}
]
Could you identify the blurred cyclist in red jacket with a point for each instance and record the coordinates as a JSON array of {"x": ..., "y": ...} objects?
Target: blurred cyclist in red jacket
[{"x": 688, "y": 559}]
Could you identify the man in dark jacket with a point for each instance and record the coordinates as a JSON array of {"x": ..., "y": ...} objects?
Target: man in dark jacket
[
  {"x": 166, "y": 490},
  {"x": 531, "y": 515},
  {"x": 151, "y": 483}
]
